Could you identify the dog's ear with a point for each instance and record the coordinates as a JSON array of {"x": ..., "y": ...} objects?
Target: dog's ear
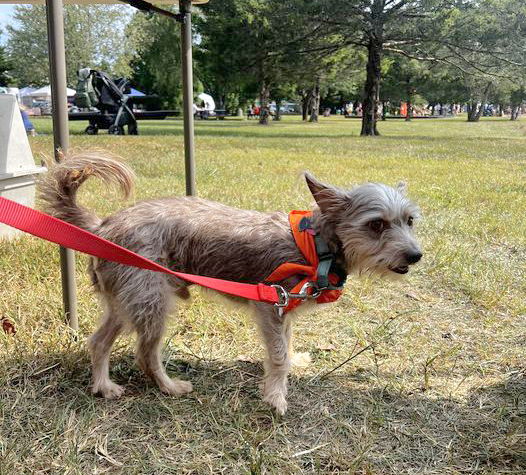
[
  {"x": 402, "y": 187},
  {"x": 326, "y": 196}
]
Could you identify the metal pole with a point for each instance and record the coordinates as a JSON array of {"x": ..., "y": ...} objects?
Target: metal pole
[
  {"x": 185, "y": 8},
  {"x": 57, "y": 73}
]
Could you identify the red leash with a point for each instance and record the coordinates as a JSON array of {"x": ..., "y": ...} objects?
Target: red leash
[{"x": 67, "y": 235}]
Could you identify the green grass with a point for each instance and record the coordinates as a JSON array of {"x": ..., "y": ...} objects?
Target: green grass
[{"x": 440, "y": 388}]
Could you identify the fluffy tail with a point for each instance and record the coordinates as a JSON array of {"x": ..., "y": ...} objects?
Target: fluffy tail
[{"x": 58, "y": 187}]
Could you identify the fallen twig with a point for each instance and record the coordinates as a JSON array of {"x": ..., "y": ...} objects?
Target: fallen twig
[
  {"x": 353, "y": 354},
  {"x": 308, "y": 451}
]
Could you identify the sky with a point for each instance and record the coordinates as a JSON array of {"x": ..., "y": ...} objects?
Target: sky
[{"x": 5, "y": 15}]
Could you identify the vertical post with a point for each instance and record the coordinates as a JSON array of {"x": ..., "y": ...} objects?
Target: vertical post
[
  {"x": 185, "y": 8},
  {"x": 57, "y": 73}
]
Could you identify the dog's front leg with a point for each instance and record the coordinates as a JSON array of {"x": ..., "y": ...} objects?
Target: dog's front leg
[{"x": 276, "y": 333}]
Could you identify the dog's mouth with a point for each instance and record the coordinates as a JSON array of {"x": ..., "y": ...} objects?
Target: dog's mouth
[{"x": 400, "y": 269}]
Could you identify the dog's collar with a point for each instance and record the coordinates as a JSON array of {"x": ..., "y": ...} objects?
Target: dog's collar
[{"x": 321, "y": 278}]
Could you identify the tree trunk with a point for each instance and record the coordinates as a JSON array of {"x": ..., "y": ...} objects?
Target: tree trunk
[
  {"x": 305, "y": 101},
  {"x": 515, "y": 112},
  {"x": 315, "y": 111},
  {"x": 433, "y": 109},
  {"x": 264, "y": 111},
  {"x": 372, "y": 88},
  {"x": 409, "y": 113},
  {"x": 474, "y": 111},
  {"x": 277, "y": 116},
  {"x": 384, "y": 110}
]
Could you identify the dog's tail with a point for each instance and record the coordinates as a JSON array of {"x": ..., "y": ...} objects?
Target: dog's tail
[{"x": 58, "y": 187}]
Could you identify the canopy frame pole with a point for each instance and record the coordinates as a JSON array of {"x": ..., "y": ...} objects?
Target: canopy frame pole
[
  {"x": 185, "y": 10},
  {"x": 57, "y": 73}
]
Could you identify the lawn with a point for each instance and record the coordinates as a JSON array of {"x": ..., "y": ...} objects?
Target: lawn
[{"x": 439, "y": 388}]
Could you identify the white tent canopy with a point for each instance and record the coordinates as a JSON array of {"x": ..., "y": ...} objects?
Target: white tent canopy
[
  {"x": 25, "y": 91},
  {"x": 210, "y": 104},
  {"x": 45, "y": 92}
]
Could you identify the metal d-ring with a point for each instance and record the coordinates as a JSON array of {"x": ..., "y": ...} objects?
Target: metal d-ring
[
  {"x": 303, "y": 294},
  {"x": 283, "y": 296}
]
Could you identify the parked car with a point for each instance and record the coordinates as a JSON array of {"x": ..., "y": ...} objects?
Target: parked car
[{"x": 44, "y": 106}]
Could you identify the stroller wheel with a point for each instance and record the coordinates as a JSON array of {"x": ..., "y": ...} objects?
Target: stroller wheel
[
  {"x": 92, "y": 130},
  {"x": 116, "y": 130},
  {"x": 132, "y": 129}
]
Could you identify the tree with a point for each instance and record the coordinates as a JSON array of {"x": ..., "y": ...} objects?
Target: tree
[
  {"x": 517, "y": 98},
  {"x": 337, "y": 76},
  {"x": 444, "y": 85},
  {"x": 89, "y": 39},
  {"x": 458, "y": 33},
  {"x": 5, "y": 66},
  {"x": 238, "y": 46},
  {"x": 381, "y": 26},
  {"x": 220, "y": 54},
  {"x": 484, "y": 42},
  {"x": 156, "y": 59},
  {"x": 248, "y": 45},
  {"x": 403, "y": 78}
]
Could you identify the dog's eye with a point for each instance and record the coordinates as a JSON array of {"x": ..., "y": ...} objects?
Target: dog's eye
[
  {"x": 377, "y": 225},
  {"x": 410, "y": 221}
]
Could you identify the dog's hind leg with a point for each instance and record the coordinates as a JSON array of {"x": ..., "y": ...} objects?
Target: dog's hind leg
[
  {"x": 148, "y": 315},
  {"x": 276, "y": 333},
  {"x": 149, "y": 360},
  {"x": 100, "y": 344}
]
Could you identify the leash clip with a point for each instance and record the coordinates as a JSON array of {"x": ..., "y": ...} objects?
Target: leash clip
[
  {"x": 303, "y": 294},
  {"x": 304, "y": 291}
]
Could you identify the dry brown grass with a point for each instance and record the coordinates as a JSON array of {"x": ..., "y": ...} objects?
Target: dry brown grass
[{"x": 439, "y": 389}]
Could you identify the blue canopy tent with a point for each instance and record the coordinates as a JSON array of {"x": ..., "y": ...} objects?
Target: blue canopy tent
[{"x": 136, "y": 93}]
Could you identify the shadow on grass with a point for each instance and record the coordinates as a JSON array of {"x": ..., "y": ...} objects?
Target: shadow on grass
[
  {"x": 342, "y": 423},
  {"x": 252, "y": 130},
  {"x": 313, "y": 135}
]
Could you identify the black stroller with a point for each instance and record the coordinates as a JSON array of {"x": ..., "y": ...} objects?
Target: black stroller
[{"x": 105, "y": 100}]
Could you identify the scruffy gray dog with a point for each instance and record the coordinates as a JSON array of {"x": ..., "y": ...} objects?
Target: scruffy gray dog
[{"x": 369, "y": 229}]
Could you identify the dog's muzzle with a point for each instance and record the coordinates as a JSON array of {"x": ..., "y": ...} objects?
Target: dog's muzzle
[{"x": 411, "y": 258}]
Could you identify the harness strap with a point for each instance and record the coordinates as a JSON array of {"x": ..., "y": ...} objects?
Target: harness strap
[
  {"x": 67, "y": 235},
  {"x": 326, "y": 266},
  {"x": 325, "y": 262}
]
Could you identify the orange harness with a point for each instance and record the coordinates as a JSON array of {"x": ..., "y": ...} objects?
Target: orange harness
[{"x": 305, "y": 241}]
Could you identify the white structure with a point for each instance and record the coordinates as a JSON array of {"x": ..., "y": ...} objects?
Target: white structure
[
  {"x": 210, "y": 104},
  {"x": 11, "y": 90},
  {"x": 17, "y": 167},
  {"x": 44, "y": 93}
]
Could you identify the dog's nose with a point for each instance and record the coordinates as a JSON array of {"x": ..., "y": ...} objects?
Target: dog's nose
[{"x": 413, "y": 257}]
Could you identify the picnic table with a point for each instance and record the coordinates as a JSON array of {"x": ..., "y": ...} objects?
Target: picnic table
[{"x": 218, "y": 114}]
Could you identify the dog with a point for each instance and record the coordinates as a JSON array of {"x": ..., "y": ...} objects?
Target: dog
[{"x": 368, "y": 229}]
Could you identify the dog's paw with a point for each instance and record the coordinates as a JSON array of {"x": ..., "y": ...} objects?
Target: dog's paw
[
  {"x": 301, "y": 360},
  {"x": 108, "y": 390},
  {"x": 277, "y": 401},
  {"x": 176, "y": 387}
]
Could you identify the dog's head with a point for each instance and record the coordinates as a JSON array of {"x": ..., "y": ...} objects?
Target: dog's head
[{"x": 372, "y": 224}]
